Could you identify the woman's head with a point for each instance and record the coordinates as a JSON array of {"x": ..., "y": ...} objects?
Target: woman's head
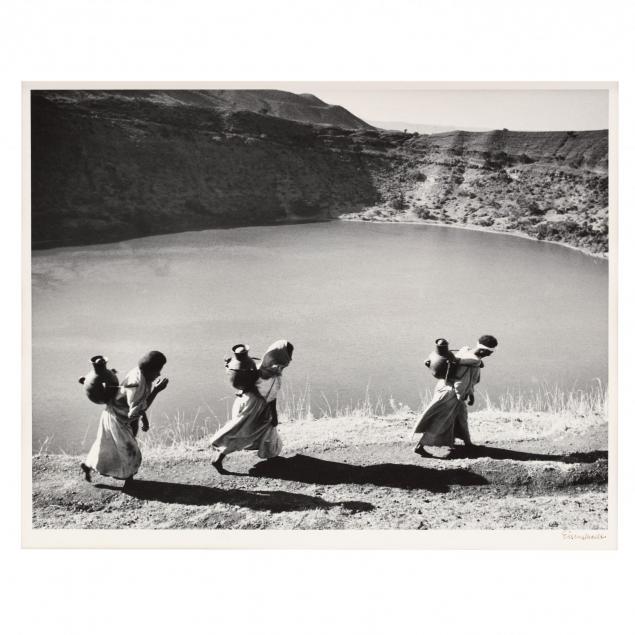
[
  {"x": 486, "y": 346},
  {"x": 277, "y": 357},
  {"x": 151, "y": 364}
]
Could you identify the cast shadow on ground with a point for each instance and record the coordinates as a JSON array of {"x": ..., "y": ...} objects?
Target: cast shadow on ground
[
  {"x": 274, "y": 501},
  {"x": 483, "y": 451},
  {"x": 307, "y": 469}
]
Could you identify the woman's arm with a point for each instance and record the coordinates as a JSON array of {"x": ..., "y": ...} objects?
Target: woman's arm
[
  {"x": 156, "y": 389},
  {"x": 468, "y": 361},
  {"x": 465, "y": 357},
  {"x": 162, "y": 384},
  {"x": 274, "y": 413},
  {"x": 135, "y": 400},
  {"x": 464, "y": 386}
]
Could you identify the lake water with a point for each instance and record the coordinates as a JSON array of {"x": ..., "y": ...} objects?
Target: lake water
[{"x": 362, "y": 303}]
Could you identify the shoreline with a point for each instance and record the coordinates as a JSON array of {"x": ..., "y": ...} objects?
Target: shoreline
[
  {"x": 477, "y": 228},
  {"x": 469, "y": 227}
]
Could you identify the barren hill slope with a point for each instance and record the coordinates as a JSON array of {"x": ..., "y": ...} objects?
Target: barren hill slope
[{"x": 111, "y": 165}]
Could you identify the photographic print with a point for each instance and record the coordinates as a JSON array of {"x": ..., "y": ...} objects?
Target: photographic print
[{"x": 373, "y": 314}]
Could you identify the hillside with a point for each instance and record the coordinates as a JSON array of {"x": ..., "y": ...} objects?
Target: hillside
[
  {"x": 111, "y": 165},
  {"x": 546, "y": 185},
  {"x": 529, "y": 471}
]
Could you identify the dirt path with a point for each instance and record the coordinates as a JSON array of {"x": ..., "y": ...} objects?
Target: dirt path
[{"x": 528, "y": 472}]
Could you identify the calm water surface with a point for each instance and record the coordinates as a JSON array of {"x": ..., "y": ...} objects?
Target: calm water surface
[{"x": 362, "y": 303}]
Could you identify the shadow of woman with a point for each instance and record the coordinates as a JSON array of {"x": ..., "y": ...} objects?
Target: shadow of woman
[
  {"x": 308, "y": 469},
  {"x": 271, "y": 500},
  {"x": 483, "y": 451}
]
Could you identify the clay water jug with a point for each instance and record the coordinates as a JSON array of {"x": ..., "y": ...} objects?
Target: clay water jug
[
  {"x": 101, "y": 383},
  {"x": 440, "y": 361},
  {"x": 241, "y": 368}
]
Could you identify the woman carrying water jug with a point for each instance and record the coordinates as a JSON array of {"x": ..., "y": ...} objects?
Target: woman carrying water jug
[
  {"x": 116, "y": 452},
  {"x": 445, "y": 418},
  {"x": 254, "y": 421}
]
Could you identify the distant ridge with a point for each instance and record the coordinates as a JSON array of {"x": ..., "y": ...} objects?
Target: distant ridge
[
  {"x": 422, "y": 128},
  {"x": 303, "y": 108}
]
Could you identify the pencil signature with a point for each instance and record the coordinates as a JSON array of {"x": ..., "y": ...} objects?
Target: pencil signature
[{"x": 578, "y": 536}]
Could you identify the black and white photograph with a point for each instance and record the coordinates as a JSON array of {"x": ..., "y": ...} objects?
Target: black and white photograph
[{"x": 318, "y": 307}]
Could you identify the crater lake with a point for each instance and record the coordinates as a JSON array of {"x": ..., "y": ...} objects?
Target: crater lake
[{"x": 361, "y": 302}]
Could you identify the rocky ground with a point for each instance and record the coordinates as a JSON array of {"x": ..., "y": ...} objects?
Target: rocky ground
[
  {"x": 545, "y": 201},
  {"x": 529, "y": 471}
]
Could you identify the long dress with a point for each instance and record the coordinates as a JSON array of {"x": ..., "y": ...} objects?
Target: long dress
[
  {"x": 251, "y": 425},
  {"x": 116, "y": 452},
  {"x": 445, "y": 418}
]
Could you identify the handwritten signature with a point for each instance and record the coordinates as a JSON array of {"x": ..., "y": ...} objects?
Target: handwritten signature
[{"x": 572, "y": 536}]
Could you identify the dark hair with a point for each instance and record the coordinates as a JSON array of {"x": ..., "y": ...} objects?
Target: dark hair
[
  {"x": 152, "y": 361},
  {"x": 290, "y": 348},
  {"x": 488, "y": 340}
]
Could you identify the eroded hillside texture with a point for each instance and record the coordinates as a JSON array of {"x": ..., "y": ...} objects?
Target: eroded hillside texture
[{"x": 112, "y": 165}]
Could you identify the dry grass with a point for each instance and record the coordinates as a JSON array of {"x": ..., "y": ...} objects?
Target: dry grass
[
  {"x": 181, "y": 431},
  {"x": 578, "y": 403},
  {"x": 298, "y": 407},
  {"x": 373, "y": 420}
]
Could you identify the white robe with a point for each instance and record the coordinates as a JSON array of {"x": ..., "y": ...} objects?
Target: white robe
[
  {"x": 116, "y": 452},
  {"x": 445, "y": 418},
  {"x": 250, "y": 427}
]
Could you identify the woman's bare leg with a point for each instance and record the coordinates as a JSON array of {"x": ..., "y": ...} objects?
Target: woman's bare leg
[
  {"x": 461, "y": 428},
  {"x": 87, "y": 471},
  {"x": 218, "y": 463},
  {"x": 420, "y": 450}
]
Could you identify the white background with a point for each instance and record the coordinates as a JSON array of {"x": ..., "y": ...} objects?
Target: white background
[{"x": 309, "y": 592}]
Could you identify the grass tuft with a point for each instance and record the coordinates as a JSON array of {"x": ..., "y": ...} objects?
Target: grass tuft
[
  {"x": 576, "y": 408},
  {"x": 592, "y": 402}
]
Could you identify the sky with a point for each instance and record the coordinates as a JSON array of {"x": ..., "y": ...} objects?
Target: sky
[{"x": 536, "y": 109}]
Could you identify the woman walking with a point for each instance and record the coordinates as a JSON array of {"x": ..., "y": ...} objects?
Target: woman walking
[
  {"x": 445, "y": 418},
  {"x": 116, "y": 452},
  {"x": 254, "y": 421}
]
